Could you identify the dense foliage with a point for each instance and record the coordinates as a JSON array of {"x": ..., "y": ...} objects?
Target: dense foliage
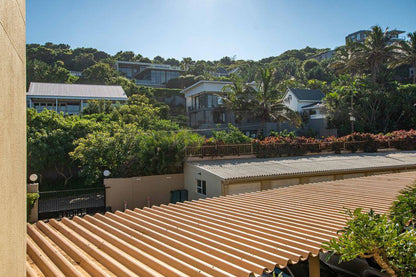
[
  {"x": 368, "y": 81},
  {"x": 371, "y": 235},
  {"x": 105, "y": 136},
  {"x": 129, "y": 151}
]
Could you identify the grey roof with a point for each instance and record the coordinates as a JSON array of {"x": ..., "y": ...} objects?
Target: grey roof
[
  {"x": 311, "y": 105},
  {"x": 76, "y": 90},
  {"x": 308, "y": 94},
  {"x": 256, "y": 168}
]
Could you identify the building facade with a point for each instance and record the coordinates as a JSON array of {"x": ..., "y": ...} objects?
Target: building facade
[
  {"x": 206, "y": 111},
  {"x": 70, "y": 98},
  {"x": 360, "y": 36},
  {"x": 309, "y": 104},
  {"x": 214, "y": 178},
  {"x": 148, "y": 74},
  {"x": 13, "y": 138}
]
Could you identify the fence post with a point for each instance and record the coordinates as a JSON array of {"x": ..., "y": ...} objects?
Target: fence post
[{"x": 33, "y": 188}]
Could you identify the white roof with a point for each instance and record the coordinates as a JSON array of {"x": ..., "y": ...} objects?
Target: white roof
[
  {"x": 255, "y": 168},
  {"x": 204, "y": 86},
  {"x": 80, "y": 91}
]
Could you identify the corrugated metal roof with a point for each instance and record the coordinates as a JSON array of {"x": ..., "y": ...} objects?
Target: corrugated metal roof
[
  {"x": 76, "y": 90},
  {"x": 250, "y": 168},
  {"x": 236, "y": 235}
]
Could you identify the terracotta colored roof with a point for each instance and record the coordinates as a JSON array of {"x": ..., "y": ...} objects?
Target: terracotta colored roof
[{"x": 237, "y": 235}]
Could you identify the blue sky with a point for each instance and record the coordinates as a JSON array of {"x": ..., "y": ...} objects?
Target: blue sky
[{"x": 210, "y": 29}]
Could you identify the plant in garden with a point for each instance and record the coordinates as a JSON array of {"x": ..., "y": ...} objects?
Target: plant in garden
[
  {"x": 403, "y": 210},
  {"x": 30, "y": 202},
  {"x": 233, "y": 136},
  {"x": 371, "y": 235}
]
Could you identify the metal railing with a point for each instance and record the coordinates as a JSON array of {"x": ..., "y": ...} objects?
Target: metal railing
[
  {"x": 56, "y": 204},
  {"x": 285, "y": 149}
]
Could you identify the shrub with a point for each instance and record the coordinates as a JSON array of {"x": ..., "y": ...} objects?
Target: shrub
[
  {"x": 231, "y": 136},
  {"x": 403, "y": 210},
  {"x": 30, "y": 202},
  {"x": 371, "y": 235}
]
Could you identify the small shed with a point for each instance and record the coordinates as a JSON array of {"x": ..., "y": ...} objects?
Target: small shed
[{"x": 211, "y": 178}]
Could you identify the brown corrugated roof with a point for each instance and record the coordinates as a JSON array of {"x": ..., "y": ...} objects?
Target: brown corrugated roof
[{"x": 236, "y": 235}]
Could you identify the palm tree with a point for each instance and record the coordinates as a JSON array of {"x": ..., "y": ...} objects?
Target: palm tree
[
  {"x": 346, "y": 59},
  {"x": 376, "y": 50},
  {"x": 405, "y": 53},
  {"x": 262, "y": 102}
]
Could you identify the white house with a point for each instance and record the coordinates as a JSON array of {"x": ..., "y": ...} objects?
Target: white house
[
  {"x": 297, "y": 99},
  {"x": 308, "y": 103},
  {"x": 70, "y": 98}
]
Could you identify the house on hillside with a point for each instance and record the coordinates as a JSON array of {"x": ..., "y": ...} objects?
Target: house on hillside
[
  {"x": 149, "y": 74},
  {"x": 206, "y": 111},
  {"x": 70, "y": 98},
  {"x": 324, "y": 55},
  {"x": 361, "y": 35},
  {"x": 309, "y": 104}
]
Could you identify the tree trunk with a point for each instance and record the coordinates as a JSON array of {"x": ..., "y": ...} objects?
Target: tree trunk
[
  {"x": 383, "y": 263},
  {"x": 61, "y": 172}
]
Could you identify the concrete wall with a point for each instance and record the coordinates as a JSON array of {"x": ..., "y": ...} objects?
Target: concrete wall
[
  {"x": 137, "y": 191},
  {"x": 12, "y": 138}
]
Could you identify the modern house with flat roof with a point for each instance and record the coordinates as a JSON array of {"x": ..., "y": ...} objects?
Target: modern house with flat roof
[
  {"x": 206, "y": 111},
  {"x": 70, "y": 98},
  {"x": 361, "y": 35},
  {"x": 149, "y": 74}
]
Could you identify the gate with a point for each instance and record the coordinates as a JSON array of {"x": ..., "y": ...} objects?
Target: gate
[{"x": 69, "y": 203}]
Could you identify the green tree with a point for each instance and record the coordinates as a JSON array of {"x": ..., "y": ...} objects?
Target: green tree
[
  {"x": 99, "y": 73},
  {"x": 129, "y": 152},
  {"x": 158, "y": 59},
  {"x": 371, "y": 235},
  {"x": 231, "y": 135},
  {"x": 125, "y": 56},
  {"x": 346, "y": 59},
  {"x": 38, "y": 71},
  {"x": 376, "y": 51},
  {"x": 50, "y": 138},
  {"x": 403, "y": 210},
  {"x": 405, "y": 53},
  {"x": 264, "y": 102}
]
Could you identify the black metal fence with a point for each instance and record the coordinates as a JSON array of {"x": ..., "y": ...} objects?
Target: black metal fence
[{"x": 57, "y": 204}]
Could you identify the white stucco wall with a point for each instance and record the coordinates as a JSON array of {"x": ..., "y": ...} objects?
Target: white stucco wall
[{"x": 192, "y": 173}]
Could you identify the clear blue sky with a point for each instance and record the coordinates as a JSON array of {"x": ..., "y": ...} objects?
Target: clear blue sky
[{"x": 210, "y": 29}]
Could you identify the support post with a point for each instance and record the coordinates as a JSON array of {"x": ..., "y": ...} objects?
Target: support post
[
  {"x": 56, "y": 105},
  {"x": 314, "y": 266},
  {"x": 33, "y": 188}
]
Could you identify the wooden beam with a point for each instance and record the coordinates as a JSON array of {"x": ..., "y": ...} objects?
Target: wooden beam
[{"x": 314, "y": 266}]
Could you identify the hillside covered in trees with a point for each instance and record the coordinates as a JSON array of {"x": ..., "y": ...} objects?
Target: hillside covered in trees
[{"x": 368, "y": 81}]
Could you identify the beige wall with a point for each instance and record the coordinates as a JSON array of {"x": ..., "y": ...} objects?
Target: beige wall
[
  {"x": 12, "y": 138},
  {"x": 137, "y": 190}
]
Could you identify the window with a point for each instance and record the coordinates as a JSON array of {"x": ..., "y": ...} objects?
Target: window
[{"x": 201, "y": 187}]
